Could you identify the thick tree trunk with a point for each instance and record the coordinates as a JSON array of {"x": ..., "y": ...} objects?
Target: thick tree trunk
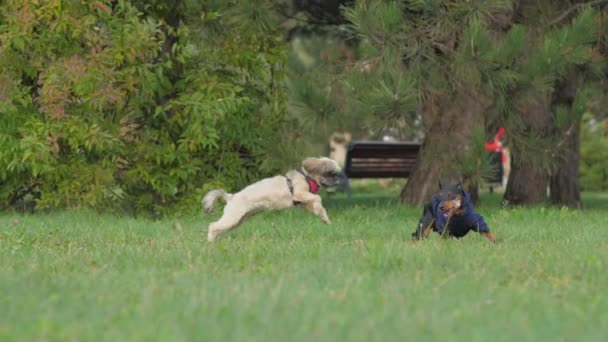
[
  {"x": 529, "y": 178},
  {"x": 473, "y": 189},
  {"x": 527, "y": 184},
  {"x": 565, "y": 185},
  {"x": 447, "y": 139},
  {"x": 422, "y": 182}
]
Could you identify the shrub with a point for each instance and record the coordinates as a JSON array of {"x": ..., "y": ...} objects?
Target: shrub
[
  {"x": 103, "y": 105},
  {"x": 594, "y": 155}
]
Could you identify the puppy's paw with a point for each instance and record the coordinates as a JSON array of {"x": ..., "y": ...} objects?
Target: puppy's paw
[
  {"x": 325, "y": 220},
  {"x": 489, "y": 236},
  {"x": 211, "y": 236}
]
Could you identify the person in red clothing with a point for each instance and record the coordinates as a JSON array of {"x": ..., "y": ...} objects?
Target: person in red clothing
[
  {"x": 496, "y": 144},
  {"x": 497, "y": 148}
]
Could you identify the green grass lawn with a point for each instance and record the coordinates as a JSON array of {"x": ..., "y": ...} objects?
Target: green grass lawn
[{"x": 285, "y": 276}]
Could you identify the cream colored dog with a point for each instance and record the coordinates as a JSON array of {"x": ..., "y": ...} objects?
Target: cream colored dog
[{"x": 297, "y": 187}]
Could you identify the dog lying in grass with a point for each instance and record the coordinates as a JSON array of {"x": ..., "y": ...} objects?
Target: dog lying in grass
[
  {"x": 451, "y": 214},
  {"x": 296, "y": 188}
]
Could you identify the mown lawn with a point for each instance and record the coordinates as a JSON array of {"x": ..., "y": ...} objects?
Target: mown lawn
[{"x": 285, "y": 276}]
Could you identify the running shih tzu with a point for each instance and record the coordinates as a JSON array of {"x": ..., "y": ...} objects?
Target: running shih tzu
[{"x": 295, "y": 188}]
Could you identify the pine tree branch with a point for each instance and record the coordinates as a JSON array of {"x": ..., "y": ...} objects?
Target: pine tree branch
[
  {"x": 566, "y": 13},
  {"x": 281, "y": 11}
]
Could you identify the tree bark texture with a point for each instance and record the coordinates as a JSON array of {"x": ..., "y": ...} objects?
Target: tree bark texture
[
  {"x": 529, "y": 179},
  {"x": 448, "y": 137},
  {"x": 527, "y": 184},
  {"x": 565, "y": 185}
]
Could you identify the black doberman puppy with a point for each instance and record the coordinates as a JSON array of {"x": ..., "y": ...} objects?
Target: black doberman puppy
[{"x": 451, "y": 213}]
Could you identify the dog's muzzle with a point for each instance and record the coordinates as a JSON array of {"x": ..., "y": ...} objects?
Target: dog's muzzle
[
  {"x": 342, "y": 178},
  {"x": 343, "y": 182}
]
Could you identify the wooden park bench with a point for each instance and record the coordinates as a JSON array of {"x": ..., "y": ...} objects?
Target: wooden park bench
[
  {"x": 380, "y": 159},
  {"x": 394, "y": 159}
]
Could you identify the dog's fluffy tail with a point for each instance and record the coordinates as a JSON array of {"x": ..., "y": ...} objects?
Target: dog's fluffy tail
[{"x": 210, "y": 198}]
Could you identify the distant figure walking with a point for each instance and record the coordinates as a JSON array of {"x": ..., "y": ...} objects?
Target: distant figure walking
[{"x": 498, "y": 150}]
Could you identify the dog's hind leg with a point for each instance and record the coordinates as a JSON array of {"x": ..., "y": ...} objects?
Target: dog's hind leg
[{"x": 232, "y": 217}]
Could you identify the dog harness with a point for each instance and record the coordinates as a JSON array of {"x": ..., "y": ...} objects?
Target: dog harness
[{"x": 313, "y": 186}]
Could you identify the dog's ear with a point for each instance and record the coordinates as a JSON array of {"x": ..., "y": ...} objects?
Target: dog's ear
[
  {"x": 441, "y": 183},
  {"x": 319, "y": 166},
  {"x": 459, "y": 183},
  {"x": 310, "y": 164}
]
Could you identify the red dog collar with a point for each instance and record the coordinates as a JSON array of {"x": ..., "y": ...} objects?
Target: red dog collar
[{"x": 313, "y": 187}]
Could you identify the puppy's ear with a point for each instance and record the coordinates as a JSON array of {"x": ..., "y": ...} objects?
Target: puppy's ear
[
  {"x": 318, "y": 165},
  {"x": 312, "y": 165}
]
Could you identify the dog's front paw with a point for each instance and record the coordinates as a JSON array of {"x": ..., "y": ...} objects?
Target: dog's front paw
[
  {"x": 489, "y": 236},
  {"x": 325, "y": 220}
]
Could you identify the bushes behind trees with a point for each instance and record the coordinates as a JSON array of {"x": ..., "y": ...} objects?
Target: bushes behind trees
[{"x": 108, "y": 105}]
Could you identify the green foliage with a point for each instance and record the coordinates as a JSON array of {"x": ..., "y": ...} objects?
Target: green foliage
[
  {"x": 390, "y": 94},
  {"x": 474, "y": 164},
  {"x": 412, "y": 55},
  {"x": 594, "y": 154},
  {"x": 109, "y": 107},
  {"x": 380, "y": 22}
]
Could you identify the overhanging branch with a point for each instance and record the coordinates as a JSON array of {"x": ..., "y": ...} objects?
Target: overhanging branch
[{"x": 566, "y": 13}]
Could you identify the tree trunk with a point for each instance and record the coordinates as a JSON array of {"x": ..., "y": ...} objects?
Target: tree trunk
[
  {"x": 565, "y": 185},
  {"x": 529, "y": 177},
  {"x": 473, "y": 189},
  {"x": 527, "y": 184},
  {"x": 447, "y": 139},
  {"x": 423, "y": 181}
]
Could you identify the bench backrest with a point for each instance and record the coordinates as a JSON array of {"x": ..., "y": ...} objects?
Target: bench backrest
[{"x": 381, "y": 159}]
